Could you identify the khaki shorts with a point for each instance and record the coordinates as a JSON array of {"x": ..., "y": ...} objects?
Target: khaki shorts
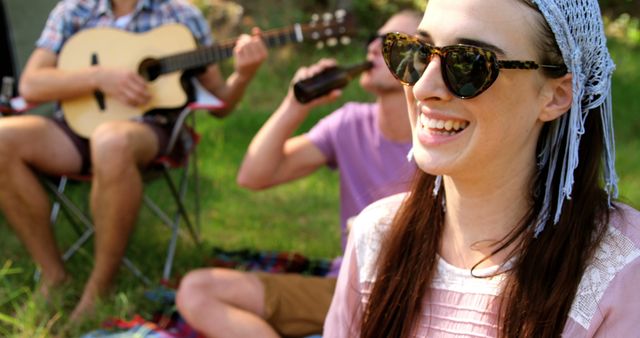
[{"x": 296, "y": 305}]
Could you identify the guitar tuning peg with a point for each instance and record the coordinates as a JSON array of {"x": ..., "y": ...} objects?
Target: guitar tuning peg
[
  {"x": 345, "y": 40},
  {"x": 319, "y": 44},
  {"x": 331, "y": 42},
  {"x": 340, "y": 14}
]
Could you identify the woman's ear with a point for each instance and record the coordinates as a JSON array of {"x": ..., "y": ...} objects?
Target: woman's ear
[{"x": 557, "y": 96}]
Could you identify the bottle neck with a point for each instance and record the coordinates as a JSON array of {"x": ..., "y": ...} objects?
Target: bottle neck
[{"x": 356, "y": 69}]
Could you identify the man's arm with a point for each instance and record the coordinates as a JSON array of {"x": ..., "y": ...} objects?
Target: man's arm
[
  {"x": 249, "y": 53},
  {"x": 41, "y": 81},
  {"x": 274, "y": 157}
]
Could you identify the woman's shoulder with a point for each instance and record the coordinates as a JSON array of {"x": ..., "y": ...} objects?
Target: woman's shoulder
[
  {"x": 626, "y": 220},
  {"x": 377, "y": 216},
  {"x": 620, "y": 245},
  {"x": 370, "y": 228},
  {"x": 614, "y": 267}
]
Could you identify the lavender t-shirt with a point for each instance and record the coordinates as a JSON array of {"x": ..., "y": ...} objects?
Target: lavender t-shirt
[{"x": 370, "y": 166}]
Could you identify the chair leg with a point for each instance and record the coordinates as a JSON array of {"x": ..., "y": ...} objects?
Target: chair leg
[
  {"x": 179, "y": 201},
  {"x": 173, "y": 225},
  {"x": 178, "y": 193},
  {"x": 196, "y": 178},
  {"x": 62, "y": 202},
  {"x": 196, "y": 188},
  {"x": 179, "y": 196},
  {"x": 135, "y": 271},
  {"x": 55, "y": 209},
  {"x": 70, "y": 208}
]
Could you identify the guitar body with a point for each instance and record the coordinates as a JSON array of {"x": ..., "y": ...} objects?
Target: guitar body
[
  {"x": 120, "y": 49},
  {"x": 164, "y": 53}
]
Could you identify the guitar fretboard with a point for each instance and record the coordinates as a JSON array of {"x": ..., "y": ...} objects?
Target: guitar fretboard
[{"x": 218, "y": 52}]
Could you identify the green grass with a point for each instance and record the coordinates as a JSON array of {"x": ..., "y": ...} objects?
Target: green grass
[{"x": 301, "y": 216}]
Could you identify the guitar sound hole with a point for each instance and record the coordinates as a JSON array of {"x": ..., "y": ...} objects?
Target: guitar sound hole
[{"x": 150, "y": 69}]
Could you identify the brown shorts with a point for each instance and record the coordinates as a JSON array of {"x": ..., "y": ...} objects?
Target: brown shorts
[
  {"x": 296, "y": 305},
  {"x": 82, "y": 144}
]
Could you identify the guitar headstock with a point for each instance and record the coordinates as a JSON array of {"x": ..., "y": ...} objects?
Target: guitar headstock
[{"x": 330, "y": 29}]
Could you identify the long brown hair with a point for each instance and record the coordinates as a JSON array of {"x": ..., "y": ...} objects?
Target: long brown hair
[{"x": 541, "y": 284}]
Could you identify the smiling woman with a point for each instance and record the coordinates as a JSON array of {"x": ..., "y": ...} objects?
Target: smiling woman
[{"x": 507, "y": 231}]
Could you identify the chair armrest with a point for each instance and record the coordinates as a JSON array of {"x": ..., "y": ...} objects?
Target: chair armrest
[
  {"x": 204, "y": 100},
  {"x": 16, "y": 106}
]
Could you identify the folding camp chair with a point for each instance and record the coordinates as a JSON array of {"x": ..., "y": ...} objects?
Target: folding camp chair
[{"x": 183, "y": 135}]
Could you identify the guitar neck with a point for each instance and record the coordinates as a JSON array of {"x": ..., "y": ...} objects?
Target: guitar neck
[{"x": 207, "y": 55}]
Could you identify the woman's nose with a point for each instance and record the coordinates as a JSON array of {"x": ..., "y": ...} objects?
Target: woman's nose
[{"x": 431, "y": 84}]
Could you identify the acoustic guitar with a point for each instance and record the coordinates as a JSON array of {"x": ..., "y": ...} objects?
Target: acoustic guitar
[{"x": 161, "y": 56}]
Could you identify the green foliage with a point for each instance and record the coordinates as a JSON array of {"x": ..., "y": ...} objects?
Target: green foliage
[
  {"x": 626, "y": 118},
  {"x": 368, "y": 15},
  {"x": 372, "y": 14},
  {"x": 617, "y": 7},
  {"x": 624, "y": 28}
]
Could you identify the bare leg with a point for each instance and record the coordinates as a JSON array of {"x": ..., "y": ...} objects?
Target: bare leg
[
  {"x": 28, "y": 142},
  {"x": 224, "y": 303},
  {"x": 118, "y": 150}
]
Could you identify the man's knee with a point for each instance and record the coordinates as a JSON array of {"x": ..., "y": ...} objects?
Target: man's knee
[
  {"x": 189, "y": 285},
  {"x": 196, "y": 288},
  {"x": 14, "y": 136},
  {"x": 110, "y": 145},
  {"x": 207, "y": 287},
  {"x": 119, "y": 145}
]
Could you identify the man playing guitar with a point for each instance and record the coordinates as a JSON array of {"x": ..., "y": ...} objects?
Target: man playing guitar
[{"x": 116, "y": 151}]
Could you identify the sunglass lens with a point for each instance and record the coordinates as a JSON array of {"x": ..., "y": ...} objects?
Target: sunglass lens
[
  {"x": 468, "y": 71},
  {"x": 405, "y": 57}
]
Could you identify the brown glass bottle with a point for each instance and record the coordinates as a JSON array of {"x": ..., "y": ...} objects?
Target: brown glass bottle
[{"x": 327, "y": 80}]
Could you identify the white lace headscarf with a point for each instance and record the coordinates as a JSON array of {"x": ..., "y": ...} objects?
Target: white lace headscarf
[{"x": 579, "y": 32}]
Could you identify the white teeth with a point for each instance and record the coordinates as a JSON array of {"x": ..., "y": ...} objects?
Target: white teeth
[{"x": 447, "y": 127}]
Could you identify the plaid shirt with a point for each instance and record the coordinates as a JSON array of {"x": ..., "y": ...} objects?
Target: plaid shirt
[{"x": 71, "y": 16}]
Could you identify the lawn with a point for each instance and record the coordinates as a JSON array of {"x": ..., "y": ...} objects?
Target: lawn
[{"x": 300, "y": 216}]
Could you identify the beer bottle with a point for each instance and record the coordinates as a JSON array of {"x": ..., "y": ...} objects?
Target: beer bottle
[{"x": 327, "y": 80}]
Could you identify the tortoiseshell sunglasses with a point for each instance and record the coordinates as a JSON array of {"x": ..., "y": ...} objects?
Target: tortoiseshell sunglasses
[{"x": 466, "y": 70}]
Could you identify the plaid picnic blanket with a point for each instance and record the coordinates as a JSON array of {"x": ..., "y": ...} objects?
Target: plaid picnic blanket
[
  {"x": 166, "y": 322},
  {"x": 270, "y": 261},
  {"x": 140, "y": 327}
]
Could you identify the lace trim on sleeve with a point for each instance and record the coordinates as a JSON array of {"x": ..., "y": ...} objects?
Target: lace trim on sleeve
[{"x": 614, "y": 253}]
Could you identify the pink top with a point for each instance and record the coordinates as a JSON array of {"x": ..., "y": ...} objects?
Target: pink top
[{"x": 606, "y": 304}]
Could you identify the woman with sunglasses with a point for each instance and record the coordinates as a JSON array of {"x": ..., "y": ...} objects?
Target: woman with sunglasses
[{"x": 511, "y": 229}]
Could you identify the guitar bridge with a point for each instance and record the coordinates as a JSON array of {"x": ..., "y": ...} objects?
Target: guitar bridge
[{"x": 98, "y": 95}]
